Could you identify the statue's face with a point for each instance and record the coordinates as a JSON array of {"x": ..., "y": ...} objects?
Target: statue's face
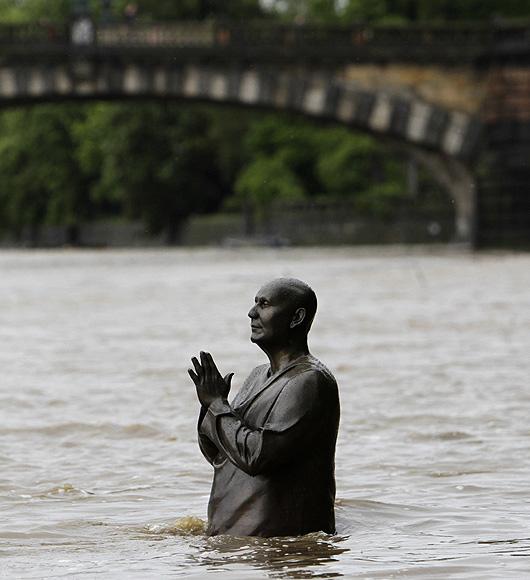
[{"x": 271, "y": 315}]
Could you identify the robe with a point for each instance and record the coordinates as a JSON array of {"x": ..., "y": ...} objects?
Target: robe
[{"x": 273, "y": 453}]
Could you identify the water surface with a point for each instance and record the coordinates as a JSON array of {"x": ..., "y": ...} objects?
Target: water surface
[{"x": 100, "y": 474}]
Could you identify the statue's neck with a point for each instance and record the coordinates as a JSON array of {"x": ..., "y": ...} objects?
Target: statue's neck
[{"x": 283, "y": 357}]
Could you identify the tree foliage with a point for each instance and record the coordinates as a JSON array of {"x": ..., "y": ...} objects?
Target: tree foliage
[
  {"x": 157, "y": 162},
  {"x": 323, "y": 11},
  {"x": 395, "y": 11},
  {"x": 40, "y": 181},
  {"x": 33, "y": 10},
  {"x": 357, "y": 166},
  {"x": 199, "y": 9},
  {"x": 266, "y": 180},
  {"x": 292, "y": 160}
]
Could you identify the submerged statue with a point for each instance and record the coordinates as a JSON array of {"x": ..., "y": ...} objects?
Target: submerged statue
[{"x": 273, "y": 447}]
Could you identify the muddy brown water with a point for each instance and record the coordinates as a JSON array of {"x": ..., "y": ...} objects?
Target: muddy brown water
[{"x": 100, "y": 474}]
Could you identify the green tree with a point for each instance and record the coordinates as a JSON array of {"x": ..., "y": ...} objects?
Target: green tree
[
  {"x": 372, "y": 11},
  {"x": 155, "y": 161},
  {"x": 397, "y": 11},
  {"x": 39, "y": 178},
  {"x": 358, "y": 167},
  {"x": 266, "y": 180},
  {"x": 292, "y": 141},
  {"x": 33, "y": 10},
  {"x": 292, "y": 159},
  {"x": 471, "y": 10},
  {"x": 192, "y": 9},
  {"x": 228, "y": 128}
]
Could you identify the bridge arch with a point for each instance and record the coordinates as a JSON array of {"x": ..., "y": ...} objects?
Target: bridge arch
[{"x": 443, "y": 140}]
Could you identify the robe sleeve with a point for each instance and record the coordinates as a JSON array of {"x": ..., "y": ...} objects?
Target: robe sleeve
[
  {"x": 207, "y": 447},
  {"x": 294, "y": 420}
]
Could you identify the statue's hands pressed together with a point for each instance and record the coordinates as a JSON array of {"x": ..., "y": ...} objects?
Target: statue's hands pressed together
[{"x": 208, "y": 381}]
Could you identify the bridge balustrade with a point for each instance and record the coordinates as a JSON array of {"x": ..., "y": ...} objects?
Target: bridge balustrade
[
  {"x": 156, "y": 35},
  {"x": 37, "y": 33},
  {"x": 457, "y": 43}
]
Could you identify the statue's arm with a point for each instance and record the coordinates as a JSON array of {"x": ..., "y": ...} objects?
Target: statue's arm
[
  {"x": 206, "y": 445},
  {"x": 208, "y": 449},
  {"x": 210, "y": 385},
  {"x": 292, "y": 424}
]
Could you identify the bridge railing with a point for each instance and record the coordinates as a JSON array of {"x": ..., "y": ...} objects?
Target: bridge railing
[
  {"x": 36, "y": 33},
  {"x": 456, "y": 42},
  {"x": 188, "y": 34}
]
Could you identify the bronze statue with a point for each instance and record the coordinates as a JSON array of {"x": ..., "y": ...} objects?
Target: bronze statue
[{"x": 273, "y": 447}]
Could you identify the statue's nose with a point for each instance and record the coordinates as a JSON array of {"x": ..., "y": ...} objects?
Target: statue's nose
[{"x": 252, "y": 312}]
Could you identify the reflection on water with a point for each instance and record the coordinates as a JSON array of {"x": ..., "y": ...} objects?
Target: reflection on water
[
  {"x": 309, "y": 556},
  {"x": 100, "y": 474}
]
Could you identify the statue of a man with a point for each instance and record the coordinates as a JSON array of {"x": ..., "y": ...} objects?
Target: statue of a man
[{"x": 273, "y": 447}]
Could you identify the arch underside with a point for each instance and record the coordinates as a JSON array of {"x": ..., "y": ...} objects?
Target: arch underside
[
  {"x": 451, "y": 137},
  {"x": 452, "y": 133}
]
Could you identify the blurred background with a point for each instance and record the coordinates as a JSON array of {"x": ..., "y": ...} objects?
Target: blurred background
[{"x": 111, "y": 171}]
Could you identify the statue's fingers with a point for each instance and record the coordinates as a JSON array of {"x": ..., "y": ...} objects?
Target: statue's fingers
[
  {"x": 197, "y": 366},
  {"x": 206, "y": 366},
  {"x": 213, "y": 366},
  {"x": 193, "y": 376}
]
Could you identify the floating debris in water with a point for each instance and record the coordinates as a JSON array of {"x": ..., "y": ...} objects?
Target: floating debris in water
[
  {"x": 66, "y": 488},
  {"x": 185, "y": 526}
]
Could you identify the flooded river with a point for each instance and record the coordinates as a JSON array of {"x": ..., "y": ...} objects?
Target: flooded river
[{"x": 100, "y": 473}]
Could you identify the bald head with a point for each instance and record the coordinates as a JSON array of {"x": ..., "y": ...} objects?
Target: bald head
[{"x": 297, "y": 294}]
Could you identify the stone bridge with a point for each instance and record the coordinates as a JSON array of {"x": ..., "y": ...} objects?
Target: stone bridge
[{"x": 458, "y": 99}]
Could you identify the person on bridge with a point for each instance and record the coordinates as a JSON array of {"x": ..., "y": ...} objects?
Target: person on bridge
[
  {"x": 130, "y": 12},
  {"x": 273, "y": 448}
]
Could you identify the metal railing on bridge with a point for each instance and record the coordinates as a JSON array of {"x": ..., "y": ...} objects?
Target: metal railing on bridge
[{"x": 270, "y": 40}]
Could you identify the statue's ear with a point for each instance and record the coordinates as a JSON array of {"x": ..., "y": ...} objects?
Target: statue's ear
[{"x": 298, "y": 318}]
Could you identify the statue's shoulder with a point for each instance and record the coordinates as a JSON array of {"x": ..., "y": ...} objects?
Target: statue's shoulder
[
  {"x": 259, "y": 370},
  {"x": 255, "y": 377},
  {"x": 317, "y": 369},
  {"x": 256, "y": 374}
]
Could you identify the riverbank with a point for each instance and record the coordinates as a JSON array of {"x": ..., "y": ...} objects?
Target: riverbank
[{"x": 327, "y": 226}]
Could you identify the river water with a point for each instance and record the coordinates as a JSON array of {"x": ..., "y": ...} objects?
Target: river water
[{"x": 100, "y": 473}]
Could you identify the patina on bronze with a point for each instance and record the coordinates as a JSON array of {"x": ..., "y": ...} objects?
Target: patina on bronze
[{"x": 273, "y": 447}]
